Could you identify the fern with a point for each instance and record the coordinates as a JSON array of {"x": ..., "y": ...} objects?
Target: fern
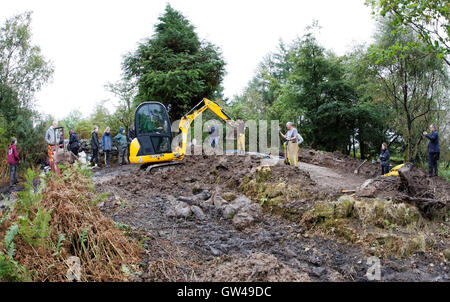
[
  {"x": 9, "y": 240},
  {"x": 35, "y": 231},
  {"x": 10, "y": 270},
  {"x": 28, "y": 198},
  {"x": 61, "y": 239},
  {"x": 83, "y": 238}
]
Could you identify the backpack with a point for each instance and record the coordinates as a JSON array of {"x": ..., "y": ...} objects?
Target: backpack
[{"x": 299, "y": 139}]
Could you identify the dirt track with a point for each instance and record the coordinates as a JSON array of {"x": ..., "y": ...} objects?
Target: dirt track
[
  {"x": 212, "y": 247},
  {"x": 328, "y": 178}
]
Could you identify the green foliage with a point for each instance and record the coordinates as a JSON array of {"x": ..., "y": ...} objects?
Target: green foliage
[
  {"x": 9, "y": 240},
  {"x": 411, "y": 84},
  {"x": 72, "y": 122},
  {"x": 305, "y": 84},
  {"x": 84, "y": 238},
  {"x": 429, "y": 19},
  {"x": 174, "y": 66},
  {"x": 33, "y": 221},
  {"x": 10, "y": 270},
  {"x": 444, "y": 171},
  {"x": 35, "y": 231},
  {"x": 59, "y": 244},
  {"x": 125, "y": 90},
  {"x": 28, "y": 197},
  {"x": 23, "y": 71}
]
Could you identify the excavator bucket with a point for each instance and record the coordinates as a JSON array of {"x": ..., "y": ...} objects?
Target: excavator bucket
[{"x": 394, "y": 171}]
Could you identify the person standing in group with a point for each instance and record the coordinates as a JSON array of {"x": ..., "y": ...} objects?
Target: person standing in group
[
  {"x": 214, "y": 134},
  {"x": 95, "y": 146},
  {"x": 241, "y": 135},
  {"x": 13, "y": 161},
  {"x": 385, "y": 159},
  {"x": 291, "y": 144},
  {"x": 433, "y": 151},
  {"x": 74, "y": 144},
  {"x": 131, "y": 136},
  {"x": 107, "y": 145},
  {"x": 121, "y": 140},
  {"x": 52, "y": 137}
]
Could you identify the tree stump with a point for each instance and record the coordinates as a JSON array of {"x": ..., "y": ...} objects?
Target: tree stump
[
  {"x": 415, "y": 184},
  {"x": 407, "y": 179}
]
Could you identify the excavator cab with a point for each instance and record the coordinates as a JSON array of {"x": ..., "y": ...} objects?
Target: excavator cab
[
  {"x": 153, "y": 132},
  {"x": 153, "y": 143}
]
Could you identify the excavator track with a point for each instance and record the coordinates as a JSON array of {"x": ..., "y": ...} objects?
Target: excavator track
[{"x": 149, "y": 168}]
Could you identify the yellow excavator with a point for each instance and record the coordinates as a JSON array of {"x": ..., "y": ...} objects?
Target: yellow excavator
[{"x": 152, "y": 147}]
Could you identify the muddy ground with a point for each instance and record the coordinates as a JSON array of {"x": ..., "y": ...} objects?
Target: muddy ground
[{"x": 224, "y": 218}]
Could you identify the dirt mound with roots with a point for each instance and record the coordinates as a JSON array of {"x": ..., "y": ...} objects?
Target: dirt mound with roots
[{"x": 429, "y": 194}]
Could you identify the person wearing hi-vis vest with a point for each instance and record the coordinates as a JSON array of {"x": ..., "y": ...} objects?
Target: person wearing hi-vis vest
[
  {"x": 241, "y": 135},
  {"x": 291, "y": 144}
]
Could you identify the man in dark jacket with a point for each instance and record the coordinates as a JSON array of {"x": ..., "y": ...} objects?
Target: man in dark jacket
[
  {"x": 74, "y": 145},
  {"x": 13, "y": 160},
  {"x": 385, "y": 159},
  {"x": 95, "y": 146},
  {"x": 214, "y": 134},
  {"x": 433, "y": 151},
  {"x": 121, "y": 140},
  {"x": 131, "y": 133}
]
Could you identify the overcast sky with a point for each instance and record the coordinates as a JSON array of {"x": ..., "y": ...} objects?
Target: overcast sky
[{"x": 86, "y": 39}]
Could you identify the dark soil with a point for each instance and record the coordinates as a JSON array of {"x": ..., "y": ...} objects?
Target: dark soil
[{"x": 193, "y": 249}]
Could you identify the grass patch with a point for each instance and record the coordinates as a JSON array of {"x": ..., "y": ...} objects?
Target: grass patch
[
  {"x": 444, "y": 171},
  {"x": 381, "y": 226}
]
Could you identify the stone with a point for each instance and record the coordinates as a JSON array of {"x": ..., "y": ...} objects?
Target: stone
[
  {"x": 366, "y": 192},
  {"x": 366, "y": 183},
  {"x": 241, "y": 202},
  {"x": 318, "y": 271},
  {"x": 242, "y": 220},
  {"x": 171, "y": 212},
  {"x": 198, "y": 212},
  {"x": 189, "y": 201},
  {"x": 215, "y": 251},
  {"x": 219, "y": 202},
  {"x": 204, "y": 195},
  {"x": 253, "y": 210},
  {"x": 182, "y": 209},
  {"x": 228, "y": 211}
]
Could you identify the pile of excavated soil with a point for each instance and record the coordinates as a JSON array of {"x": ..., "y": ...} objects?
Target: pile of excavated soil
[
  {"x": 257, "y": 267},
  {"x": 200, "y": 172}
]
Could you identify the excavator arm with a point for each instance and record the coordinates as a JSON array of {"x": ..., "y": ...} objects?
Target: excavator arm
[{"x": 187, "y": 119}]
